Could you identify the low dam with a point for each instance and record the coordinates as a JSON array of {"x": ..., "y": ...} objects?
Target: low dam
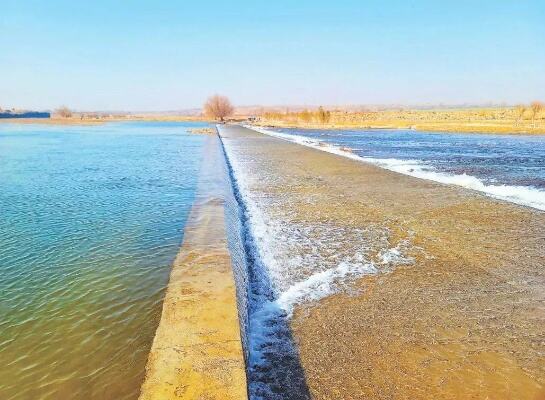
[
  {"x": 197, "y": 352},
  {"x": 306, "y": 273}
]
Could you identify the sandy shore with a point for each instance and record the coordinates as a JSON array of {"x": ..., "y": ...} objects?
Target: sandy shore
[
  {"x": 464, "y": 320},
  {"x": 197, "y": 351}
]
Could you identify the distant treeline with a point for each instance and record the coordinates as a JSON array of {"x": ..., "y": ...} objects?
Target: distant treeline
[
  {"x": 518, "y": 115},
  {"x": 24, "y": 114},
  {"x": 318, "y": 116}
]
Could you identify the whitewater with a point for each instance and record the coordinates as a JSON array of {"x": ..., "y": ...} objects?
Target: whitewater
[
  {"x": 292, "y": 262},
  {"x": 523, "y": 195}
]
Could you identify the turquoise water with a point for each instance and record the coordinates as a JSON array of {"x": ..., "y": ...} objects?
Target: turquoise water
[{"x": 91, "y": 220}]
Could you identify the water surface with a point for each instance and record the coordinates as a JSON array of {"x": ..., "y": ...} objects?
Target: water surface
[
  {"x": 91, "y": 220},
  {"x": 508, "y": 167}
]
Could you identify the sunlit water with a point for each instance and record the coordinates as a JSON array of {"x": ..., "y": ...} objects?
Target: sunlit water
[
  {"x": 506, "y": 167},
  {"x": 294, "y": 258},
  {"x": 91, "y": 218},
  {"x": 305, "y": 242}
]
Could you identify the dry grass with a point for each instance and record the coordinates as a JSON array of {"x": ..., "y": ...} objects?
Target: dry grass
[{"x": 481, "y": 120}]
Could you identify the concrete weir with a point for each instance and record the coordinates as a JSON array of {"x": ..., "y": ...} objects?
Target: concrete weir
[{"x": 197, "y": 352}]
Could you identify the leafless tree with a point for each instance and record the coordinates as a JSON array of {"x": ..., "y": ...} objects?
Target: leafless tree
[
  {"x": 536, "y": 108},
  {"x": 63, "y": 112},
  {"x": 305, "y": 115},
  {"x": 218, "y": 107},
  {"x": 323, "y": 115},
  {"x": 521, "y": 109}
]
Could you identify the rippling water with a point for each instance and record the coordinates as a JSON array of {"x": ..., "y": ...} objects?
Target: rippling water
[
  {"x": 295, "y": 257},
  {"x": 91, "y": 220},
  {"x": 510, "y": 168}
]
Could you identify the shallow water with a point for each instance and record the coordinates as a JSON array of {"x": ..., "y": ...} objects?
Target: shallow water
[
  {"x": 510, "y": 168},
  {"x": 455, "y": 319},
  {"x": 295, "y": 258},
  {"x": 91, "y": 220}
]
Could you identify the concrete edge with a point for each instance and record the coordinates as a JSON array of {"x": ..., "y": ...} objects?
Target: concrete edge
[{"x": 197, "y": 350}]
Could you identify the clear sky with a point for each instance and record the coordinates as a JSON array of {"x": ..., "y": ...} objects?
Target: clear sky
[{"x": 169, "y": 55}]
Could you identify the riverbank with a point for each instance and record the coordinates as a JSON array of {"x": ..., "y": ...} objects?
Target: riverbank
[
  {"x": 478, "y": 120},
  {"x": 494, "y": 128},
  {"x": 394, "y": 287},
  {"x": 197, "y": 350}
]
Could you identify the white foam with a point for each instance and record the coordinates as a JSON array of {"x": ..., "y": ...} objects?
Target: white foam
[
  {"x": 523, "y": 195},
  {"x": 396, "y": 255},
  {"x": 294, "y": 261},
  {"x": 294, "y": 267},
  {"x": 322, "y": 284}
]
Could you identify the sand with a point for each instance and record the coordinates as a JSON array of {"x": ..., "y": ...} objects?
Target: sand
[
  {"x": 197, "y": 351},
  {"x": 465, "y": 320}
]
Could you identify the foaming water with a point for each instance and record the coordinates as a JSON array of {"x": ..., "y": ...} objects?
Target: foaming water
[
  {"x": 293, "y": 261},
  {"x": 92, "y": 218},
  {"x": 506, "y": 168}
]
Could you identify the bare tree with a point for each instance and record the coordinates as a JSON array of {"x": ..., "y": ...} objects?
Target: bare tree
[
  {"x": 218, "y": 107},
  {"x": 305, "y": 115},
  {"x": 521, "y": 109},
  {"x": 63, "y": 112},
  {"x": 323, "y": 115},
  {"x": 536, "y": 108}
]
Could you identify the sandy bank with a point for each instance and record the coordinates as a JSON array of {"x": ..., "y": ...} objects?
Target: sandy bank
[
  {"x": 197, "y": 351},
  {"x": 463, "y": 320}
]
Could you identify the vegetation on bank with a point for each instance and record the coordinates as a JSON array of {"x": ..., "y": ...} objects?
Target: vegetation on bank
[
  {"x": 218, "y": 108},
  {"x": 519, "y": 119},
  {"x": 63, "y": 112}
]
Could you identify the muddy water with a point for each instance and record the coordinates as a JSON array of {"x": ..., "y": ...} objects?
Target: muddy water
[{"x": 391, "y": 286}]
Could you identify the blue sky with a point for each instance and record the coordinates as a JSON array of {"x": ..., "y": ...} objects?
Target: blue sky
[{"x": 168, "y": 55}]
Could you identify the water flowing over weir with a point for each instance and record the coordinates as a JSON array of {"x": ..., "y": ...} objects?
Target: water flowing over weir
[
  {"x": 273, "y": 368},
  {"x": 327, "y": 237},
  {"x": 198, "y": 351},
  {"x": 290, "y": 260}
]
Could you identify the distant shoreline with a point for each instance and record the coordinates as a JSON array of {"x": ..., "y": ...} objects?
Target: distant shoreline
[
  {"x": 423, "y": 127},
  {"x": 502, "y": 121},
  {"x": 96, "y": 121},
  {"x": 498, "y": 121}
]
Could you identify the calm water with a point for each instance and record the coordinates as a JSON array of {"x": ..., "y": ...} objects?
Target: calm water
[
  {"x": 91, "y": 220},
  {"x": 507, "y": 167}
]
